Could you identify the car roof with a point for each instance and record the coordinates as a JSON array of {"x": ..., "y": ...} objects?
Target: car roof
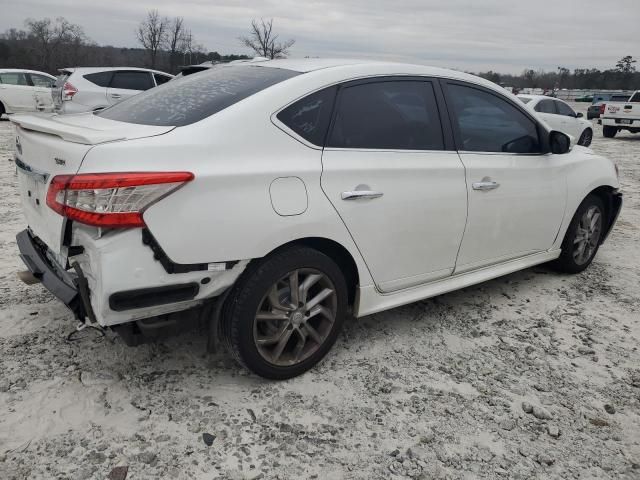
[
  {"x": 354, "y": 68},
  {"x": 108, "y": 69},
  {"x": 539, "y": 97},
  {"x": 24, "y": 70}
]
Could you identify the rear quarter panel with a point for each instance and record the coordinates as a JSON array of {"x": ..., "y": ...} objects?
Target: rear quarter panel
[{"x": 226, "y": 213}]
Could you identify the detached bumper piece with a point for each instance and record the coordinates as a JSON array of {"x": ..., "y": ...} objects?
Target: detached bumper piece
[{"x": 55, "y": 278}]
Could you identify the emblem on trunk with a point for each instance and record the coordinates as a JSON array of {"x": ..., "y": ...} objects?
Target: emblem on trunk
[
  {"x": 60, "y": 161},
  {"x": 18, "y": 145}
]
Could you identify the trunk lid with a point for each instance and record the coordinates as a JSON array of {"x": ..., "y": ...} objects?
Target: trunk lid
[{"x": 50, "y": 145}]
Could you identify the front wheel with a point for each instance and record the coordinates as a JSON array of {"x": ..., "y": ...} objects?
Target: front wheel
[
  {"x": 586, "y": 137},
  {"x": 285, "y": 312},
  {"x": 582, "y": 240},
  {"x": 609, "y": 132}
]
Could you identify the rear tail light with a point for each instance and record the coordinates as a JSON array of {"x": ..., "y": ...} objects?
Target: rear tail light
[
  {"x": 602, "y": 105},
  {"x": 111, "y": 200},
  {"x": 68, "y": 91}
]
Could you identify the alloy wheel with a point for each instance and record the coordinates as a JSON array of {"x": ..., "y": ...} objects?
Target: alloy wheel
[
  {"x": 587, "y": 235},
  {"x": 295, "y": 317}
]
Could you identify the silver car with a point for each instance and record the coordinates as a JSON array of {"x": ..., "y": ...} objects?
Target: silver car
[{"x": 85, "y": 89}]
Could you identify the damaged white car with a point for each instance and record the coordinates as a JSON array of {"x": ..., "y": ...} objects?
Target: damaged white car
[{"x": 289, "y": 192}]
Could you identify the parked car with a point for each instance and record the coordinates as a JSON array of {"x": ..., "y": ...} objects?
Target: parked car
[
  {"x": 25, "y": 91},
  {"x": 295, "y": 191},
  {"x": 560, "y": 116},
  {"x": 597, "y": 108},
  {"x": 619, "y": 116},
  {"x": 585, "y": 98},
  {"x": 85, "y": 89}
]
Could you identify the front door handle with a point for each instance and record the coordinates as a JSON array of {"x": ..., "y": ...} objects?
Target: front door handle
[
  {"x": 485, "y": 185},
  {"x": 355, "y": 194},
  {"x": 116, "y": 95}
]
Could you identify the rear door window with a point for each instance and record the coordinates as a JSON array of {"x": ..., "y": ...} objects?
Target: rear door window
[
  {"x": 310, "y": 117},
  {"x": 41, "y": 80},
  {"x": 101, "y": 79},
  {"x": 395, "y": 115},
  {"x": 192, "y": 98},
  {"x": 131, "y": 80},
  {"x": 488, "y": 123},
  {"x": 160, "y": 79},
  {"x": 546, "y": 106}
]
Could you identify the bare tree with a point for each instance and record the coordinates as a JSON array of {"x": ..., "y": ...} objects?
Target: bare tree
[
  {"x": 175, "y": 39},
  {"x": 152, "y": 34},
  {"x": 264, "y": 42},
  {"x": 50, "y": 36}
]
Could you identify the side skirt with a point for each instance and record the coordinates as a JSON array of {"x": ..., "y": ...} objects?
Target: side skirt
[{"x": 372, "y": 301}]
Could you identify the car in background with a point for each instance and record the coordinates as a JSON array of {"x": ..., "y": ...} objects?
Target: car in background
[
  {"x": 263, "y": 187},
  {"x": 25, "y": 91},
  {"x": 599, "y": 101},
  {"x": 618, "y": 116},
  {"x": 85, "y": 89},
  {"x": 585, "y": 98},
  {"x": 560, "y": 116},
  {"x": 191, "y": 69}
]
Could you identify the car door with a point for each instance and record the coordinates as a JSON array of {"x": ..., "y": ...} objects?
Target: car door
[
  {"x": 127, "y": 83},
  {"x": 16, "y": 93},
  {"x": 517, "y": 195},
  {"x": 390, "y": 170},
  {"x": 41, "y": 86},
  {"x": 546, "y": 109},
  {"x": 569, "y": 119}
]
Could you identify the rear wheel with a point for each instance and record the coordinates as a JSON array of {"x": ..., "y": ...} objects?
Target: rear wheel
[
  {"x": 2, "y": 110},
  {"x": 586, "y": 137},
  {"x": 285, "y": 312},
  {"x": 582, "y": 240},
  {"x": 609, "y": 132}
]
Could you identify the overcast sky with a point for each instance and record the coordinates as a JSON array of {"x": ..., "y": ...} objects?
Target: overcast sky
[{"x": 475, "y": 35}]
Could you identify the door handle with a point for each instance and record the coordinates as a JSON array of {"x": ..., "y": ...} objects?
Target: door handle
[
  {"x": 354, "y": 195},
  {"x": 485, "y": 185},
  {"x": 116, "y": 95}
]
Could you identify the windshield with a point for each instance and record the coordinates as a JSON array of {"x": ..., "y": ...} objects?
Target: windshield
[{"x": 194, "y": 97}]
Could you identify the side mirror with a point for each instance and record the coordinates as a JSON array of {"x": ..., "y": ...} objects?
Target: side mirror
[
  {"x": 560, "y": 142},
  {"x": 579, "y": 115}
]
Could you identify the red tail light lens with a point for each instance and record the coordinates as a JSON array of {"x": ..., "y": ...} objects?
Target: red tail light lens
[
  {"x": 111, "y": 200},
  {"x": 68, "y": 91},
  {"x": 602, "y": 105}
]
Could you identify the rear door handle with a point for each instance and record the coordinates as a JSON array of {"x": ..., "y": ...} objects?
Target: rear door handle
[
  {"x": 485, "y": 185},
  {"x": 354, "y": 195},
  {"x": 116, "y": 95}
]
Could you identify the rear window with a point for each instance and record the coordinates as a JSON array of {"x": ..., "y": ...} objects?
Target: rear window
[
  {"x": 100, "y": 79},
  {"x": 190, "y": 99},
  {"x": 132, "y": 80}
]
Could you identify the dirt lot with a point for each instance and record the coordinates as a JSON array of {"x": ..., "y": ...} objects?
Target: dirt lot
[{"x": 533, "y": 375}]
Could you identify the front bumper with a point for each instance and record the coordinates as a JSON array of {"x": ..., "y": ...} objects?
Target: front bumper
[{"x": 54, "y": 278}]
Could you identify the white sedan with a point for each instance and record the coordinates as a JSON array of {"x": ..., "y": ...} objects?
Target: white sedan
[
  {"x": 560, "y": 116},
  {"x": 25, "y": 91},
  {"x": 295, "y": 191}
]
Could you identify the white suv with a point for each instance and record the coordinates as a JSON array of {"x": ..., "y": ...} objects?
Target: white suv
[
  {"x": 287, "y": 191},
  {"x": 84, "y": 89},
  {"x": 25, "y": 91}
]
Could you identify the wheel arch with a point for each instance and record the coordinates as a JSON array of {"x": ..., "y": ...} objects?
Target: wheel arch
[
  {"x": 612, "y": 200},
  {"x": 338, "y": 253}
]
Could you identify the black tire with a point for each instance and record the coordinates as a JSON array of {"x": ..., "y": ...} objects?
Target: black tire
[
  {"x": 2, "y": 110},
  {"x": 567, "y": 262},
  {"x": 586, "y": 137},
  {"x": 609, "y": 132},
  {"x": 247, "y": 298}
]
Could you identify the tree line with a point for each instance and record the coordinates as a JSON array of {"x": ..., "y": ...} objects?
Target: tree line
[
  {"x": 623, "y": 76},
  {"x": 167, "y": 43}
]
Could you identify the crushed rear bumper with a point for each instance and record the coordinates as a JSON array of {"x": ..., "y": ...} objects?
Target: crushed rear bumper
[{"x": 54, "y": 277}]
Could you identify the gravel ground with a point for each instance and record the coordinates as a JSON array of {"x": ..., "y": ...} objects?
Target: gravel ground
[{"x": 532, "y": 375}]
